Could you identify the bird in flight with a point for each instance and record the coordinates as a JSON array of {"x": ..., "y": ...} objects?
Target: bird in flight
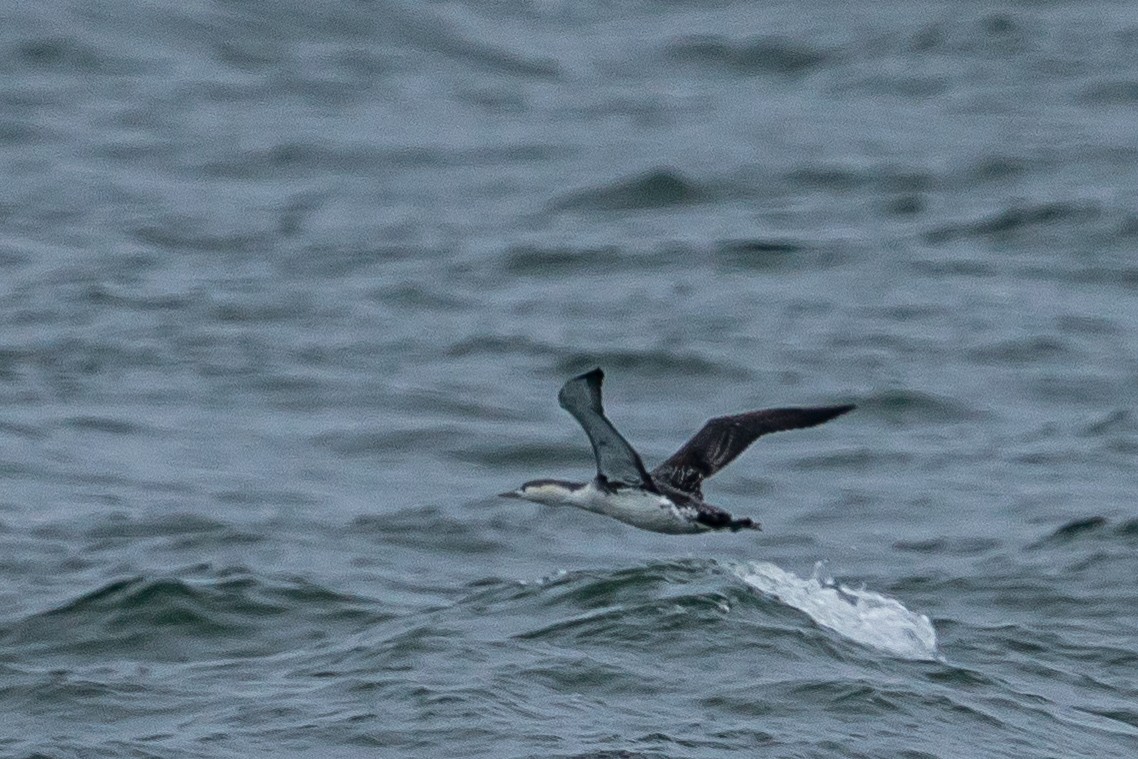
[{"x": 668, "y": 499}]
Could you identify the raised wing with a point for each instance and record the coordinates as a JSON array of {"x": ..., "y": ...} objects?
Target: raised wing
[
  {"x": 616, "y": 460},
  {"x": 721, "y": 439}
]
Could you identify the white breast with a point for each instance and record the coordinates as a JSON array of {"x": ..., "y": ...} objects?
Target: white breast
[{"x": 638, "y": 508}]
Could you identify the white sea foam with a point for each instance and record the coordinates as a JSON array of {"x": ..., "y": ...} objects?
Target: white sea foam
[{"x": 868, "y": 618}]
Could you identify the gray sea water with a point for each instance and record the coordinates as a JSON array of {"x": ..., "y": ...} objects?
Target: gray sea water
[{"x": 287, "y": 290}]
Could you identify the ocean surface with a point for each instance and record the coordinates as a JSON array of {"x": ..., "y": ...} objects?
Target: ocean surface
[{"x": 287, "y": 290}]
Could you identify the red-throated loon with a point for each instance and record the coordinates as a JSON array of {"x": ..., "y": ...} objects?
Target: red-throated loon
[{"x": 667, "y": 499}]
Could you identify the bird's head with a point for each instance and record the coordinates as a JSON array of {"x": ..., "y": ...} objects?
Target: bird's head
[{"x": 548, "y": 492}]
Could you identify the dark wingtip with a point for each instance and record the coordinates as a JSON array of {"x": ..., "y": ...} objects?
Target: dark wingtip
[
  {"x": 822, "y": 414},
  {"x": 572, "y": 393},
  {"x": 594, "y": 373}
]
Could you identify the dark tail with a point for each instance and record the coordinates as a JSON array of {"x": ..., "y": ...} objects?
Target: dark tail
[
  {"x": 746, "y": 523},
  {"x": 718, "y": 519}
]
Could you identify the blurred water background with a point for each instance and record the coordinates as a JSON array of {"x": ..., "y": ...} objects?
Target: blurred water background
[{"x": 287, "y": 290}]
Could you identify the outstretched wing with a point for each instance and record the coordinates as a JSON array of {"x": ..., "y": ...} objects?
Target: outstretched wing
[
  {"x": 616, "y": 459},
  {"x": 721, "y": 439}
]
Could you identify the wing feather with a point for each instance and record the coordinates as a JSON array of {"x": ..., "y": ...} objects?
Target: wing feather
[
  {"x": 723, "y": 438},
  {"x": 617, "y": 461}
]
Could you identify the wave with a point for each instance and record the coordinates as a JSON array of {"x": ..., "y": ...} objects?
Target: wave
[
  {"x": 863, "y": 616},
  {"x": 687, "y": 603},
  {"x": 1018, "y": 220},
  {"x": 1093, "y": 528},
  {"x": 203, "y": 613},
  {"x": 749, "y": 57},
  {"x": 658, "y": 188}
]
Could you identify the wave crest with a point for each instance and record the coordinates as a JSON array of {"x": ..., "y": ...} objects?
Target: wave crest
[{"x": 863, "y": 616}]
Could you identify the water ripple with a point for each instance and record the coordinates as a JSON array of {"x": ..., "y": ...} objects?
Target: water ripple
[
  {"x": 659, "y": 188},
  {"x": 760, "y": 55}
]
